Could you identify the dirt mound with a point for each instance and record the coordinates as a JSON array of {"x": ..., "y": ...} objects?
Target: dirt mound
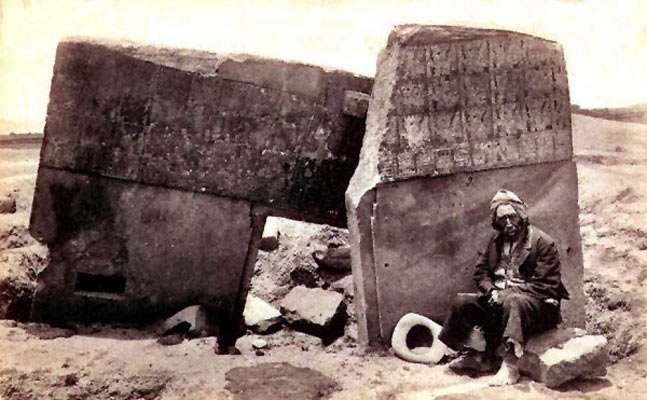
[{"x": 608, "y": 313}]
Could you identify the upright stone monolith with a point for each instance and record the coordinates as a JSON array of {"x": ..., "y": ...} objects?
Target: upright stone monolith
[{"x": 457, "y": 113}]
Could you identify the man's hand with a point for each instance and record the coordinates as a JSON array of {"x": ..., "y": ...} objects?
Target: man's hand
[{"x": 495, "y": 297}]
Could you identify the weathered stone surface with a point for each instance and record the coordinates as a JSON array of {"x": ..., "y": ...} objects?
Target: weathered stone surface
[
  {"x": 7, "y": 205},
  {"x": 260, "y": 316},
  {"x": 123, "y": 250},
  {"x": 561, "y": 355},
  {"x": 193, "y": 321},
  {"x": 159, "y": 167},
  {"x": 315, "y": 310},
  {"x": 452, "y": 119},
  {"x": 243, "y": 127},
  {"x": 491, "y": 99}
]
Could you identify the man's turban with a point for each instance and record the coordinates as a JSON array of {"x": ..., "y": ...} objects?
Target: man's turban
[{"x": 504, "y": 196}]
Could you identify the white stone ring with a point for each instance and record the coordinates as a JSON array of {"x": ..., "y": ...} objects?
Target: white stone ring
[{"x": 424, "y": 355}]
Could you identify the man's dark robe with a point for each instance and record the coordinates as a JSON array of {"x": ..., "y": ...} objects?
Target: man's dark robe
[{"x": 526, "y": 308}]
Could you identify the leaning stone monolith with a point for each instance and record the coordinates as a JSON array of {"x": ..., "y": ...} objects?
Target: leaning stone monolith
[{"x": 159, "y": 167}]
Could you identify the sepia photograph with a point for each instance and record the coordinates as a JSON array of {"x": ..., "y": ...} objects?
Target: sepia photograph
[{"x": 323, "y": 199}]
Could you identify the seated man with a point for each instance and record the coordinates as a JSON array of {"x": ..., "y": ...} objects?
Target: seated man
[{"x": 519, "y": 280}]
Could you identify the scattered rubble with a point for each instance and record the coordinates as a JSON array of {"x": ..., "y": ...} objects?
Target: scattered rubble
[
  {"x": 317, "y": 311},
  {"x": 260, "y": 316},
  {"x": 561, "y": 355}
]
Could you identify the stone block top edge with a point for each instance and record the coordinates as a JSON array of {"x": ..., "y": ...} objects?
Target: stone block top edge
[
  {"x": 414, "y": 34},
  {"x": 161, "y": 54}
]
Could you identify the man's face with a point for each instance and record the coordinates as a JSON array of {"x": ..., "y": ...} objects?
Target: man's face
[{"x": 508, "y": 221}]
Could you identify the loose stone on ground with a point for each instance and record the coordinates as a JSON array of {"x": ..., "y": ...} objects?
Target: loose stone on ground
[
  {"x": 260, "y": 316},
  {"x": 318, "y": 311},
  {"x": 561, "y": 355}
]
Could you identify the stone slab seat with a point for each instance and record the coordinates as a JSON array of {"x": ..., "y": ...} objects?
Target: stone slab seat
[{"x": 563, "y": 354}]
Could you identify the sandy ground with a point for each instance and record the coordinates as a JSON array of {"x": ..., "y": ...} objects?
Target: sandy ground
[{"x": 104, "y": 362}]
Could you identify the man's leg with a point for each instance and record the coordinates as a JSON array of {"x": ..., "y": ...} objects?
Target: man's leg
[
  {"x": 467, "y": 312},
  {"x": 522, "y": 316}
]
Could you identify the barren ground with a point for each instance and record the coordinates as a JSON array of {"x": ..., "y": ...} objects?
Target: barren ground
[{"x": 104, "y": 362}]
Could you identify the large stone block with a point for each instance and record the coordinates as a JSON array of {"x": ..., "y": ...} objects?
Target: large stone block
[
  {"x": 123, "y": 250},
  {"x": 267, "y": 131},
  {"x": 560, "y": 355},
  {"x": 455, "y": 115},
  {"x": 159, "y": 167}
]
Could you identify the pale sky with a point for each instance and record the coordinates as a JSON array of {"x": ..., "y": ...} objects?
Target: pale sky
[{"x": 605, "y": 42}]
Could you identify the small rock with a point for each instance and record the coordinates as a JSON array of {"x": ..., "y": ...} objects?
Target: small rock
[
  {"x": 260, "y": 316},
  {"x": 316, "y": 311},
  {"x": 245, "y": 344},
  {"x": 336, "y": 258},
  {"x": 259, "y": 344},
  {"x": 561, "y": 355},
  {"x": 259, "y": 353},
  {"x": 345, "y": 285},
  {"x": 7, "y": 205},
  {"x": 171, "y": 340},
  {"x": 619, "y": 300},
  {"x": 192, "y": 321},
  {"x": 47, "y": 332},
  {"x": 271, "y": 235}
]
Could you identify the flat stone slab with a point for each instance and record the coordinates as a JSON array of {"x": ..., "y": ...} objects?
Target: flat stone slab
[
  {"x": 260, "y": 316},
  {"x": 316, "y": 310},
  {"x": 561, "y": 355}
]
